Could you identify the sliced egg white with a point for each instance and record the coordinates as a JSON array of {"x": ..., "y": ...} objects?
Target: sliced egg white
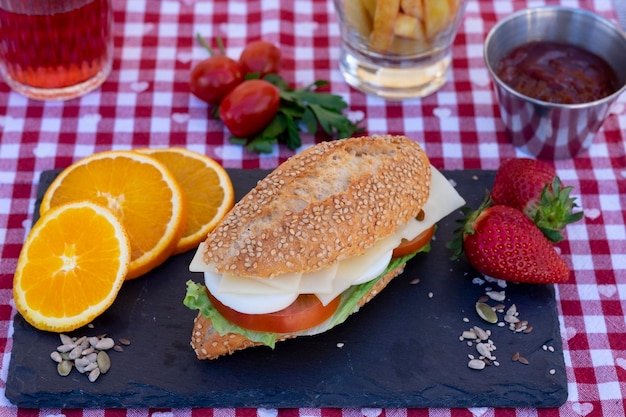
[
  {"x": 259, "y": 296},
  {"x": 260, "y": 303}
]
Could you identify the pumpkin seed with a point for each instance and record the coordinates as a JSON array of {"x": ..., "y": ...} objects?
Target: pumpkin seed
[
  {"x": 56, "y": 356},
  {"x": 64, "y": 368},
  {"x": 103, "y": 361},
  {"x": 486, "y": 312}
]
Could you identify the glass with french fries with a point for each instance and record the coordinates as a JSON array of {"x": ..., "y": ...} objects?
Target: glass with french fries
[{"x": 397, "y": 49}]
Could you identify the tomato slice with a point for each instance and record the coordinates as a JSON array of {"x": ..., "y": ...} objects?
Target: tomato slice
[
  {"x": 304, "y": 313},
  {"x": 410, "y": 246}
]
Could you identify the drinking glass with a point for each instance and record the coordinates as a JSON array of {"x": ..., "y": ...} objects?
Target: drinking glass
[
  {"x": 397, "y": 49},
  {"x": 55, "y": 49}
]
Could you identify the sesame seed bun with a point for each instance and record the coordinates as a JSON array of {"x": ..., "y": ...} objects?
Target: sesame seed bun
[{"x": 327, "y": 203}]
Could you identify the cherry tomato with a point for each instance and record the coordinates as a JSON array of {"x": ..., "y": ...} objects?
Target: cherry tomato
[
  {"x": 407, "y": 247},
  {"x": 249, "y": 107},
  {"x": 261, "y": 57},
  {"x": 304, "y": 313},
  {"x": 215, "y": 77}
]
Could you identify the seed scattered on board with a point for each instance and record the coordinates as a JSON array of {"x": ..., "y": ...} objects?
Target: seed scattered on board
[
  {"x": 480, "y": 338},
  {"x": 87, "y": 354}
]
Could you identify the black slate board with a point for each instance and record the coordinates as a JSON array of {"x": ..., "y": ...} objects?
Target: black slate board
[{"x": 401, "y": 350}]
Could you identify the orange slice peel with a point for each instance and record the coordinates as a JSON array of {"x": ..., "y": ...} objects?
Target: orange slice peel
[
  {"x": 207, "y": 188},
  {"x": 139, "y": 190},
  {"x": 71, "y": 267}
]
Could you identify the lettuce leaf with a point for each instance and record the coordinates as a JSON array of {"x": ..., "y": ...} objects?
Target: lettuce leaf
[{"x": 196, "y": 298}]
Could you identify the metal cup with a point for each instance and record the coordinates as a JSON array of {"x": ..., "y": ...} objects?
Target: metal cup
[{"x": 547, "y": 130}]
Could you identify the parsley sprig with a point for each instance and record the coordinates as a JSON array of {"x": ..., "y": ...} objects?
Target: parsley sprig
[{"x": 301, "y": 109}]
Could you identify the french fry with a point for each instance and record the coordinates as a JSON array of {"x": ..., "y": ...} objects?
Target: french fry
[
  {"x": 437, "y": 17},
  {"x": 384, "y": 24},
  {"x": 409, "y": 27},
  {"x": 403, "y": 46},
  {"x": 358, "y": 17},
  {"x": 370, "y": 6},
  {"x": 413, "y": 8}
]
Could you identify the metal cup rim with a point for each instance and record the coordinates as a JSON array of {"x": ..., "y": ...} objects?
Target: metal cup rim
[{"x": 542, "y": 9}]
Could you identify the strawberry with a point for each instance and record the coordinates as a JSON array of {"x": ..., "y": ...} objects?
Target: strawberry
[
  {"x": 534, "y": 188},
  {"x": 504, "y": 243}
]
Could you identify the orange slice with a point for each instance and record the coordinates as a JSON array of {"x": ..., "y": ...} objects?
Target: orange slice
[
  {"x": 207, "y": 188},
  {"x": 71, "y": 266},
  {"x": 139, "y": 190}
]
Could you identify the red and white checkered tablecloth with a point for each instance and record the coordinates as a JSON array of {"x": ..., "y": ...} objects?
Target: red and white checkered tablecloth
[{"x": 146, "y": 102}]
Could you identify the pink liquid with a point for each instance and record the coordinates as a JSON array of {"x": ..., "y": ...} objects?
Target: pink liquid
[{"x": 53, "y": 44}]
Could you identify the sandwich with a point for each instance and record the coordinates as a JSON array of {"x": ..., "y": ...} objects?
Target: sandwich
[{"x": 314, "y": 241}]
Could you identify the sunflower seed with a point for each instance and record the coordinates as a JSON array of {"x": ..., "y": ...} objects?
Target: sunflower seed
[
  {"x": 65, "y": 339},
  {"x": 124, "y": 341},
  {"x": 91, "y": 367},
  {"x": 476, "y": 364},
  {"x": 92, "y": 357},
  {"x": 496, "y": 295},
  {"x": 81, "y": 362},
  {"x": 76, "y": 352},
  {"x": 105, "y": 344},
  {"x": 468, "y": 334},
  {"x": 515, "y": 357},
  {"x": 88, "y": 351},
  {"x": 66, "y": 348},
  {"x": 484, "y": 350},
  {"x": 94, "y": 374},
  {"x": 82, "y": 341},
  {"x": 480, "y": 333},
  {"x": 523, "y": 360}
]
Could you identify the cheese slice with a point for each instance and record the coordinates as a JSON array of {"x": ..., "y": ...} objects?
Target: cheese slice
[
  {"x": 261, "y": 303},
  {"x": 246, "y": 294}
]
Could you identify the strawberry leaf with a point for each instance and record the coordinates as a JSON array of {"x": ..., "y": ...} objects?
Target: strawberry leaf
[
  {"x": 466, "y": 227},
  {"x": 555, "y": 210}
]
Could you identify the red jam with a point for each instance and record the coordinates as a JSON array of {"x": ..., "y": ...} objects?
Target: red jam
[{"x": 557, "y": 73}]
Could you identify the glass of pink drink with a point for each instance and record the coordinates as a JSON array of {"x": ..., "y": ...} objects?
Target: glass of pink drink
[{"x": 55, "y": 49}]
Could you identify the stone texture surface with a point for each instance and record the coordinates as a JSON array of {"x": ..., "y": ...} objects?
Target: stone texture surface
[{"x": 401, "y": 350}]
